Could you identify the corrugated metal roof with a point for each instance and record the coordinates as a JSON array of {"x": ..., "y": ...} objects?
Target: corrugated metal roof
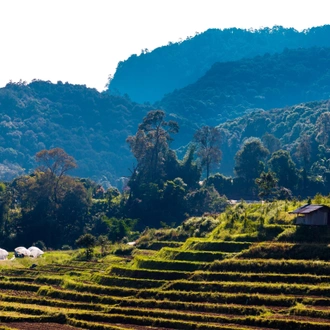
[{"x": 308, "y": 208}]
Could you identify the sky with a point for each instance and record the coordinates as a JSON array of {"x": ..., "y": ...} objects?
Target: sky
[{"x": 82, "y": 41}]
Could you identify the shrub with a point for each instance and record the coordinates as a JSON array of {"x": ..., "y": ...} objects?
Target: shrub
[{"x": 88, "y": 242}]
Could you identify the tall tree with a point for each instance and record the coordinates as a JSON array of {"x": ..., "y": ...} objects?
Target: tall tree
[
  {"x": 55, "y": 160},
  {"x": 88, "y": 242},
  {"x": 249, "y": 164},
  {"x": 266, "y": 184},
  {"x": 284, "y": 168},
  {"x": 151, "y": 144},
  {"x": 55, "y": 163},
  {"x": 156, "y": 163},
  {"x": 190, "y": 171},
  {"x": 54, "y": 206},
  {"x": 208, "y": 140}
]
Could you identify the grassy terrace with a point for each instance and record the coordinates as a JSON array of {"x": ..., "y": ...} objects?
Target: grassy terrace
[
  {"x": 203, "y": 283},
  {"x": 94, "y": 296}
]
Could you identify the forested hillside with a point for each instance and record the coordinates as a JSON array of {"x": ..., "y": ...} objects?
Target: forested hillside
[
  {"x": 302, "y": 129},
  {"x": 229, "y": 90},
  {"x": 93, "y": 127},
  {"x": 150, "y": 75},
  {"x": 90, "y": 126}
]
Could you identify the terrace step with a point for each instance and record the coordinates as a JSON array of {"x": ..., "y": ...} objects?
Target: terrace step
[
  {"x": 293, "y": 251},
  {"x": 127, "y": 282},
  {"x": 21, "y": 286},
  {"x": 281, "y": 266},
  {"x": 205, "y": 321},
  {"x": 157, "y": 245},
  {"x": 215, "y": 245},
  {"x": 248, "y": 287},
  {"x": 208, "y": 276},
  {"x": 157, "y": 322},
  {"x": 191, "y": 255},
  {"x": 148, "y": 273},
  {"x": 259, "y": 277},
  {"x": 148, "y": 263},
  {"x": 137, "y": 303}
]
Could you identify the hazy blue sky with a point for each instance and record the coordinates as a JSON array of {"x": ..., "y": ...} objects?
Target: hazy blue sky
[{"x": 82, "y": 41}]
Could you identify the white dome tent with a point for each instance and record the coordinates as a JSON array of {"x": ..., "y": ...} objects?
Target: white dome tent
[
  {"x": 35, "y": 251},
  {"x": 3, "y": 254},
  {"x": 21, "y": 251}
]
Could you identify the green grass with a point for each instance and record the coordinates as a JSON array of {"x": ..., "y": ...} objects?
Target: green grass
[
  {"x": 240, "y": 276},
  {"x": 191, "y": 255},
  {"x": 142, "y": 262},
  {"x": 153, "y": 274},
  {"x": 283, "y": 266},
  {"x": 275, "y": 250},
  {"x": 214, "y": 246}
]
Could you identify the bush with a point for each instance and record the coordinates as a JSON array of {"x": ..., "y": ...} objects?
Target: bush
[
  {"x": 88, "y": 242},
  {"x": 124, "y": 250}
]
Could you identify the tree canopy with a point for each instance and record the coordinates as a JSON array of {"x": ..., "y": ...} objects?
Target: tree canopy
[{"x": 249, "y": 164}]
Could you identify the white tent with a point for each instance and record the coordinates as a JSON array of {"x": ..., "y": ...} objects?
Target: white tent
[
  {"x": 23, "y": 251},
  {"x": 35, "y": 251},
  {"x": 3, "y": 254}
]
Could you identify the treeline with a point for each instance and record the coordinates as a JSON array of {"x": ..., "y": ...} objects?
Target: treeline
[
  {"x": 151, "y": 75},
  {"x": 93, "y": 126},
  {"x": 55, "y": 209},
  {"x": 52, "y": 209}
]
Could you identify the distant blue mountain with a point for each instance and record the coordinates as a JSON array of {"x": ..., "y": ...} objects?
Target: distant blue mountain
[{"x": 150, "y": 75}]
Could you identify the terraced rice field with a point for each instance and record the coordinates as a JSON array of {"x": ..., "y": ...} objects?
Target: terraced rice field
[{"x": 200, "y": 285}]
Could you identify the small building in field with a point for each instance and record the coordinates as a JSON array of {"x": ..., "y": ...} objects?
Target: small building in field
[
  {"x": 3, "y": 254},
  {"x": 312, "y": 215}
]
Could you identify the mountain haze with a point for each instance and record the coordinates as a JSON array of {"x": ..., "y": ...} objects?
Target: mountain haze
[
  {"x": 231, "y": 89},
  {"x": 93, "y": 126},
  {"x": 150, "y": 75}
]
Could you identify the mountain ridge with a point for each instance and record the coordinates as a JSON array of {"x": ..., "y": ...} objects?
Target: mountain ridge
[{"x": 150, "y": 75}]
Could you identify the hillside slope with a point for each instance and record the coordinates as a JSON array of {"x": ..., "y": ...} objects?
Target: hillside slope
[
  {"x": 229, "y": 90},
  {"x": 218, "y": 282},
  {"x": 290, "y": 125},
  {"x": 93, "y": 127},
  {"x": 90, "y": 126},
  {"x": 150, "y": 75}
]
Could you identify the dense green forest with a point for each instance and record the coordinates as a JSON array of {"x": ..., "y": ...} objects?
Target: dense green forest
[
  {"x": 90, "y": 126},
  {"x": 150, "y": 75},
  {"x": 93, "y": 126},
  {"x": 54, "y": 209},
  {"x": 50, "y": 207},
  {"x": 229, "y": 90},
  {"x": 293, "y": 128}
]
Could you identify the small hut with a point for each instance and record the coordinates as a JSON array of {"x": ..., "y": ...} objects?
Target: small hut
[
  {"x": 3, "y": 254},
  {"x": 21, "y": 252},
  {"x": 312, "y": 215},
  {"x": 35, "y": 251}
]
